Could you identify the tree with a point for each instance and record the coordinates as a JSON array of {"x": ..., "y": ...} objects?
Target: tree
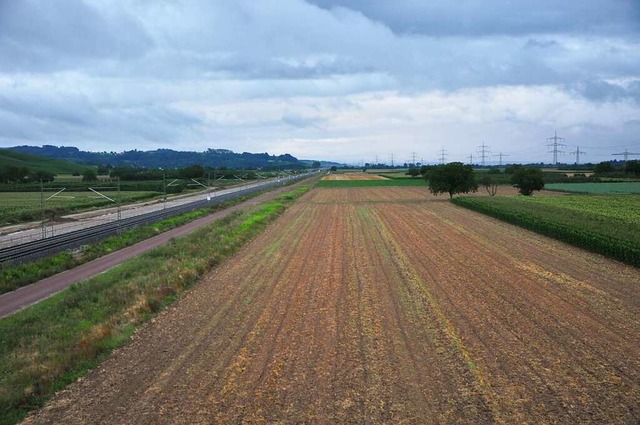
[
  {"x": 316, "y": 164},
  {"x": 490, "y": 185},
  {"x": 192, "y": 171},
  {"x": 89, "y": 175},
  {"x": 632, "y": 167},
  {"x": 528, "y": 179},
  {"x": 333, "y": 168},
  {"x": 510, "y": 169},
  {"x": 603, "y": 167},
  {"x": 413, "y": 172},
  {"x": 451, "y": 178}
]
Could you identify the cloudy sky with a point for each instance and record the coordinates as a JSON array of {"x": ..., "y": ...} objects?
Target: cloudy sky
[{"x": 352, "y": 80}]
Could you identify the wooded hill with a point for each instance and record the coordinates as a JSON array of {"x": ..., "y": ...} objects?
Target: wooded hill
[{"x": 165, "y": 158}]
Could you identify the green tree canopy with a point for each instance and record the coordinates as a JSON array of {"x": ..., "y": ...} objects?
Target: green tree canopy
[
  {"x": 632, "y": 167},
  {"x": 528, "y": 179},
  {"x": 603, "y": 167},
  {"x": 413, "y": 172},
  {"x": 451, "y": 178},
  {"x": 89, "y": 175}
]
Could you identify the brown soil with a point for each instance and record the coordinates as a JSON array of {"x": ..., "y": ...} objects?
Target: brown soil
[
  {"x": 382, "y": 306},
  {"x": 354, "y": 176}
]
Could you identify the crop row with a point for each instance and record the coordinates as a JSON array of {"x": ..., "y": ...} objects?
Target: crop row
[{"x": 603, "y": 226}]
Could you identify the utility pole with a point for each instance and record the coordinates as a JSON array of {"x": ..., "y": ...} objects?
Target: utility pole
[
  {"x": 484, "y": 151},
  {"x": 471, "y": 159},
  {"x": 443, "y": 154},
  {"x": 577, "y": 153},
  {"x": 42, "y": 221},
  {"x": 555, "y": 145},
  {"x": 626, "y": 154},
  {"x": 501, "y": 155},
  {"x": 164, "y": 184}
]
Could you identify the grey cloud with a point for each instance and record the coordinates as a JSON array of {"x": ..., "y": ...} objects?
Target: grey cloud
[
  {"x": 42, "y": 35},
  {"x": 498, "y": 17},
  {"x": 301, "y": 122},
  {"x": 603, "y": 91}
]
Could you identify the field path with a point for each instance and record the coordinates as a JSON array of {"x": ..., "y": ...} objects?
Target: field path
[{"x": 382, "y": 306}]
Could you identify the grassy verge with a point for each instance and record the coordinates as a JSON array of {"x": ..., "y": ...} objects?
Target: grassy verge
[
  {"x": 608, "y": 225},
  {"x": 49, "y": 345},
  {"x": 371, "y": 183},
  {"x": 13, "y": 277}
]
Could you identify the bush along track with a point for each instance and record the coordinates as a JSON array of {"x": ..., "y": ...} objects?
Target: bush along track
[
  {"x": 51, "y": 344},
  {"x": 13, "y": 277},
  {"x": 590, "y": 227}
]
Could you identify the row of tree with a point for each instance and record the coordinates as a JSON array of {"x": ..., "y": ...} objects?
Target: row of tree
[
  {"x": 455, "y": 177},
  {"x": 15, "y": 174}
]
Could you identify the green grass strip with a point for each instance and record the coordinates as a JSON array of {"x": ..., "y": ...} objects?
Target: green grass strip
[
  {"x": 49, "y": 345},
  {"x": 607, "y": 225},
  {"x": 370, "y": 183},
  {"x": 13, "y": 277}
]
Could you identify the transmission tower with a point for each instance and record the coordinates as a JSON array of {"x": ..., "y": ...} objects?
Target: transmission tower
[
  {"x": 443, "y": 154},
  {"x": 392, "y": 160},
  {"x": 626, "y": 154},
  {"x": 471, "y": 159},
  {"x": 500, "y": 155},
  {"x": 577, "y": 153},
  {"x": 484, "y": 152},
  {"x": 555, "y": 145},
  {"x": 413, "y": 158}
]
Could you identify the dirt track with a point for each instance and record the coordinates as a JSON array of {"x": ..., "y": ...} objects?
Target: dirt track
[{"x": 353, "y": 309}]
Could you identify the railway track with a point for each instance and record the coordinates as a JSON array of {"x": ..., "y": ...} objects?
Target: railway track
[{"x": 34, "y": 250}]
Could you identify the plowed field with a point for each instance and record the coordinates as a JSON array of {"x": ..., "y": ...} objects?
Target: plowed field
[
  {"x": 354, "y": 176},
  {"x": 383, "y": 305}
]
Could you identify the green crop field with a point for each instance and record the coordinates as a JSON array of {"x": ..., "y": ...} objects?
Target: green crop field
[
  {"x": 371, "y": 183},
  {"x": 607, "y": 224},
  {"x": 16, "y": 207},
  {"x": 609, "y": 187}
]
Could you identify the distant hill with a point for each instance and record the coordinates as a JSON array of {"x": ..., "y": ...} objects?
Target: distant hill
[
  {"x": 165, "y": 158},
  {"x": 37, "y": 162}
]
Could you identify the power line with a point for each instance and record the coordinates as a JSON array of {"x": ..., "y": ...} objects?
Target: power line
[
  {"x": 443, "y": 154},
  {"x": 577, "y": 153},
  {"x": 501, "y": 155},
  {"x": 626, "y": 154},
  {"x": 556, "y": 144},
  {"x": 484, "y": 151}
]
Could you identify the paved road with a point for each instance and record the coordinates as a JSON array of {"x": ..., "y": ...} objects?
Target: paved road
[{"x": 14, "y": 301}]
